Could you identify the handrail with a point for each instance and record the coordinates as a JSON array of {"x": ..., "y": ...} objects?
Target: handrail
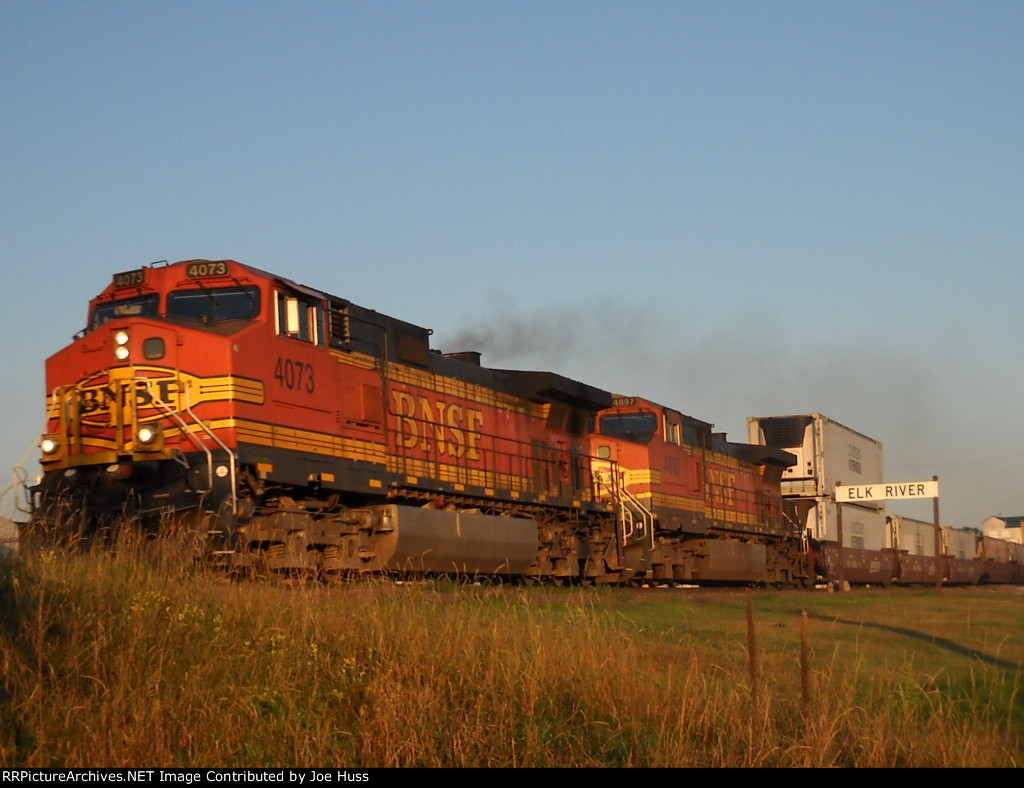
[
  {"x": 647, "y": 516},
  {"x": 628, "y": 516},
  {"x": 171, "y": 413}
]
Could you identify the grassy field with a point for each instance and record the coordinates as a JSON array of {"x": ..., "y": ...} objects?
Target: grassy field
[{"x": 115, "y": 659}]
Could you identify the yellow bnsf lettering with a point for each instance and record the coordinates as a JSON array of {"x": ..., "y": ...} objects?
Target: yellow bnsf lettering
[
  {"x": 723, "y": 487},
  {"x": 408, "y": 430},
  {"x": 474, "y": 422},
  {"x": 448, "y": 428}
]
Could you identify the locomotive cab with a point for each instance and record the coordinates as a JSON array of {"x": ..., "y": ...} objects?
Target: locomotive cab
[{"x": 129, "y": 418}]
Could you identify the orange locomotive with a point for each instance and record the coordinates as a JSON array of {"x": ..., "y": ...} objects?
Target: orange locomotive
[
  {"x": 703, "y": 508},
  {"x": 296, "y": 430}
]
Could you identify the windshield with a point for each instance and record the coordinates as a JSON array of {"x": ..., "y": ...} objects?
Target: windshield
[
  {"x": 140, "y": 306},
  {"x": 636, "y": 427},
  {"x": 212, "y": 305}
]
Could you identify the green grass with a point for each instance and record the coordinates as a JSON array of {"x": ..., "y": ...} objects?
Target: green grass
[{"x": 120, "y": 658}]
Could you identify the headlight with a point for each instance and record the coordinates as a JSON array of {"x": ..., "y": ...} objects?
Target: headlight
[
  {"x": 49, "y": 445},
  {"x": 148, "y": 437},
  {"x": 121, "y": 352}
]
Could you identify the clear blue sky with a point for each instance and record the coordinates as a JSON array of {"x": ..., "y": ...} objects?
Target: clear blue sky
[{"x": 735, "y": 208}]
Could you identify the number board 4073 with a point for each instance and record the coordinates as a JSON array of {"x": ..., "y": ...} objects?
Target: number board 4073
[{"x": 203, "y": 268}]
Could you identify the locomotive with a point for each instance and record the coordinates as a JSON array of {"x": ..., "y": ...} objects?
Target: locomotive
[{"x": 293, "y": 430}]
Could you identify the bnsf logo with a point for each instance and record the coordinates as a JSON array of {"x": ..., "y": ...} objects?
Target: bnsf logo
[
  {"x": 448, "y": 427},
  {"x": 723, "y": 487},
  {"x": 96, "y": 402}
]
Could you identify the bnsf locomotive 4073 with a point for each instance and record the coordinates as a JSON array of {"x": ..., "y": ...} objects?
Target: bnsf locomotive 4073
[{"x": 295, "y": 430}]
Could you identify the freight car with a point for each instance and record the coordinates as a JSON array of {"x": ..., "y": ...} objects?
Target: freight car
[
  {"x": 965, "y": 557},
  {"x": 294, "y": 430},
  {"x": 829, "y": 453},
  {"x": 877, "y": 549}
]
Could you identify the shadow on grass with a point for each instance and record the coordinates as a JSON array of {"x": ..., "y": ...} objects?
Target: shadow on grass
[{"x": 949, "y": 645}]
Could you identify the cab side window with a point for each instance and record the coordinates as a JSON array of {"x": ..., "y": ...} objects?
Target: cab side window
[{"x": 301, "y": 318}]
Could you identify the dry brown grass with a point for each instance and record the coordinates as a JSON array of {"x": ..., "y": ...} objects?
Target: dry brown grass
[{"x": 118, "y": 658}]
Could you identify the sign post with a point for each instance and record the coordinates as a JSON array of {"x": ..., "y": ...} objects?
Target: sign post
[
  {"x": 938, "y": 536},
  {"x": 840, "y": 553}
]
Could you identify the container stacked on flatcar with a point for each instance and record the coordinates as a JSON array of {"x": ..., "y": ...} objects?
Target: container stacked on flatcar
[
  {"x": 997, "y": 559},
  {"x": 1017, "y": 559},
  {"x": 963, "y": 557},
  {"x": 299, "y": 431},
  {"x": 964, "y": 563},
  {"x": 1008, "y": 531},
  {"x": 920, "y": 560},
  {"x": 876, "y": 548},
  {"x": 829, "y": 454}
]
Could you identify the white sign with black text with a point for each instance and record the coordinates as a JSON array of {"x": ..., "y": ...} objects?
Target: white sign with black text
[{"x": 866, "y": 493}]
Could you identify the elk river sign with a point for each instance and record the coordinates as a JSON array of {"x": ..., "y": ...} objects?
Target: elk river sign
[{"x": 868, "y": 493}]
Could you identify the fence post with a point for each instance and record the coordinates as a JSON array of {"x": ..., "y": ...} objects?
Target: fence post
[{"x": 751, "y": 644}]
